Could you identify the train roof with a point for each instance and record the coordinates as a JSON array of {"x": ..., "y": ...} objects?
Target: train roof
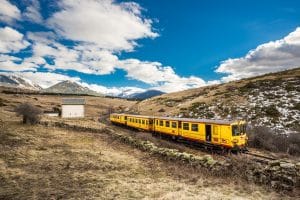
[
  {"x": 211, "y": 121},
  {"x": 141, "y": 116}
]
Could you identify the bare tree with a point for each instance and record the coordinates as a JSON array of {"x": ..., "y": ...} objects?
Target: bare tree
[{"x": 31, "y": 114}]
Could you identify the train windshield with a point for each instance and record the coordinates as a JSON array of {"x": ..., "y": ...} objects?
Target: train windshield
[
  {"x": 243, "y": 128},
  {"x": 235, "y": 130}
]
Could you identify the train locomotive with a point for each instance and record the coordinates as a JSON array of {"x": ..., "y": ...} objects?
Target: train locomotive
[{"x": 222, "y": 134}]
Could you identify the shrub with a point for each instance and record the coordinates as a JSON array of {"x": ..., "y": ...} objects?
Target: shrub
[
  {"x": 272, "y": 111},
  {"x": 264, "y": 138},
  {"x": 31, "y": 114},
  {"x": 161, "y": 110}
]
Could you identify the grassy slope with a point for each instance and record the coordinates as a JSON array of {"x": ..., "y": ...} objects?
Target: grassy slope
[
  {"x": 95, "y": 106},
  {"x": 43, "y": 163}
]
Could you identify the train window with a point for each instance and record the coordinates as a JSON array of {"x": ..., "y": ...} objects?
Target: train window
[
  {"x": 156, "y": 122},
  {"x": 143, "y": 121},
  {"x": 146, "y": 122},
  {"x": 167, "y": 124},
  {"x": 161, "y": 123},
  {"x": 150, "y": 121},
  {"x": 140, "y": 121},
  {"x": 185, "y": 126},
  {"x": 179, "y": 125},
  {"x": 195, "y": 127},
  {"x": 136, "y": 120},
  {"x": 174, "y": 125},
  {"x": 235, "y": 130}
]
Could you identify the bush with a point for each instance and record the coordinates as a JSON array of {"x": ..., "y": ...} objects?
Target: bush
[
  {"x": 272, "y": 111},
  {"x": 264, "y": 138},
  {"x": 161, "y": 110},
  {"x": 31, "y": 114}
]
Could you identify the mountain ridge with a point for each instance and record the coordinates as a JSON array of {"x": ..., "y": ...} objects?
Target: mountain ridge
[{"x": 70, "y": 87}]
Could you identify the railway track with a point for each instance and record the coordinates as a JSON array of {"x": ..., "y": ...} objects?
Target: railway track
[{"x": 260, "y": 158}]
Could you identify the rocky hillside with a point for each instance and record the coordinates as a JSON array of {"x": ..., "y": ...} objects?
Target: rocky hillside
[
  {"x": 271, "y": 100},
  {"x": 145, "y": 95},
  {"x": 69, "y": 87}
]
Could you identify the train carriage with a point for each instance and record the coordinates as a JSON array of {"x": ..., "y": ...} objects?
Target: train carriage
[
  {"x": 221, "y": 133},
  {"x": 140, "y": 122},
  {"x": 117, "y": 118}
]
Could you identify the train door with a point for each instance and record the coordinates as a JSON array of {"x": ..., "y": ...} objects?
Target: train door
[
  {"x": 179, "y": 128},
  {"x": 151, "y": 126},
  {"x": 208, "y": 132}
]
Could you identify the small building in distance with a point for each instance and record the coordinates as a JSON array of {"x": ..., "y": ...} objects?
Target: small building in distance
[{"x": 72, "y": 107}]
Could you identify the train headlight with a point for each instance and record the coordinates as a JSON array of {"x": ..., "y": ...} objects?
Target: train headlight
[{"x": 235, "y": 141}]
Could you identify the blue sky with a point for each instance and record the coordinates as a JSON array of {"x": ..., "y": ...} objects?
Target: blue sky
[{"x": 112, "y": 46}]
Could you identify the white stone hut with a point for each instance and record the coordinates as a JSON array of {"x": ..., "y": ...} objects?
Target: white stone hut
[{"x": 72, "y": 107}]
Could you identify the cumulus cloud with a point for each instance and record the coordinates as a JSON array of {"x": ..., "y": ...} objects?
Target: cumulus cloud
[
  {"x": 8, "y": 12},
  {"x": 269, "y": 57},
  {"x": 11, "y": 40},
  {"x": 109, "y": 25},
  {"x": 113, "y": 91},
  {"x": 32, "y": 12}
]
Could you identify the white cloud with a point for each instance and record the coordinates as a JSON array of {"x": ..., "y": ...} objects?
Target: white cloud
[
  {"x": 113, "y": 91},
  {"x": 107, "y": 24},
  {"x": 32, "y": 12},
  {"x": 8, "y": 12},
  {"x": 11, "y": 40},
  {"x": 269, "y": 57}
]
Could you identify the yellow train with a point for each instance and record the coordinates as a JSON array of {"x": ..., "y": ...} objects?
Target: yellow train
[{"x": 219, "y": 133}]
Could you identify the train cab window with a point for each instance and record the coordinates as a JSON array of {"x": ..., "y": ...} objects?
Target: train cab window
[
  {"x": 167, "y": 124},
  {"x": 185, "y": 126},
  {"x": 174, "y": 125},
  {"x": 235, "y": 130},
  {"x": 195, "y": 127},
  {"x": 161, "y": 123}
]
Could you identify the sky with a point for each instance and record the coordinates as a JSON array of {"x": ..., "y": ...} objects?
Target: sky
[{"x": 112, "y": 46}]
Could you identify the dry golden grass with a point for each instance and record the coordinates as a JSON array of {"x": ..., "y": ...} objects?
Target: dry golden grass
[{"x": 39, "y": 162}]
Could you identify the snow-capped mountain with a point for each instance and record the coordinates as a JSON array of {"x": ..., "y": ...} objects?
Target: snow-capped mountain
[{"x": 17, "y": 82}]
